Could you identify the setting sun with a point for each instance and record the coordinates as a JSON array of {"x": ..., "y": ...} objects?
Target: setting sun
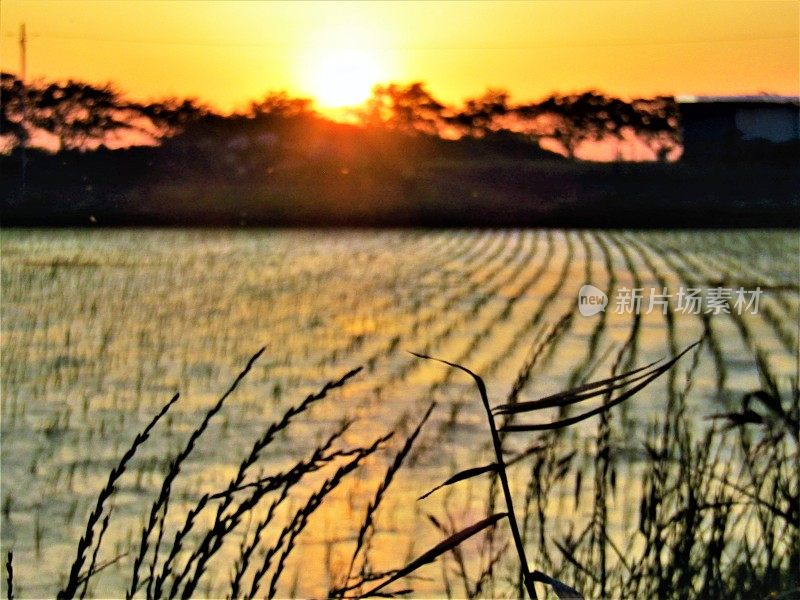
[{"x": 342, "y": 77}]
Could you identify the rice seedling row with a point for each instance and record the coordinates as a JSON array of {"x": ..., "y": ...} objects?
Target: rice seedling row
[{"x": 99, "y": 329}]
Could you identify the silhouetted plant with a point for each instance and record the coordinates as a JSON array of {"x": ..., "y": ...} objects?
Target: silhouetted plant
[
  {"x": 10, "y": 575},
  {"x": 676, "y": 556},
  {"x": 640, "y": 377}
]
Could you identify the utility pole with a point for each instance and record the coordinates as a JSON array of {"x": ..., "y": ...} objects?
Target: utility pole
[
  {"x": 23, "y": 42},
  {"x": 23, "y": 66}
]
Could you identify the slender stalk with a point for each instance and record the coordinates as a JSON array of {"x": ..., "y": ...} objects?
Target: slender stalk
[
  {"x": 10, "y": 575},
  {"x": 85, "y": 543},
  {"x": 501, "y": 473}
]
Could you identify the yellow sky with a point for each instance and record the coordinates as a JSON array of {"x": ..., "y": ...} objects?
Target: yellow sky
[{"x": 229, "y": 52}]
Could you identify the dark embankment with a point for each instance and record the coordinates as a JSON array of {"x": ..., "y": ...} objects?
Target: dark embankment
[{"x": 347, "y": 176}]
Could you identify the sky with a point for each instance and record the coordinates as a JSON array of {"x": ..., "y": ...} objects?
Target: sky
[{"x": 228, "y": 53}]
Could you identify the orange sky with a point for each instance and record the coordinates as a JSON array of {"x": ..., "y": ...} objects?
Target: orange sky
[{"x": 229, "y": 52}]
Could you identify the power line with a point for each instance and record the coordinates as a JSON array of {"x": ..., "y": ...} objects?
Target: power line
[{"x": 430, "y": 47}]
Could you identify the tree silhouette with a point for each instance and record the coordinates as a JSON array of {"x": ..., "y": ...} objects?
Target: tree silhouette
[
  {"x": 479, "y": 115},
  {"x": 656, "y": 123},
  {"x": 77, "y": 113},
  {"x": 591, "y": 116},
  {"x": 573, "y": 119},
  {"x": 280, "y": 104},
  {"x": 410, "y": 109},
  {"x": 80, "y": 115},
  {"x": 12, "y": 111},
  {"x": 171, "y": 115}
]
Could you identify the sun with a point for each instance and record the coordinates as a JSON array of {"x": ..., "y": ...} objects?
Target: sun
[{"x": 340, "y": 77}]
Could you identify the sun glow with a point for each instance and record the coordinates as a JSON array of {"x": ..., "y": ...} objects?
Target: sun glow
[{"x": 342, "y": 77}]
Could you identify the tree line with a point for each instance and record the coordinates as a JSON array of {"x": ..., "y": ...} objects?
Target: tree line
[
  {"x": 75, "y": 115},
  {"x": 80, "y": 116},
  {"x": 568, "y": 120}
]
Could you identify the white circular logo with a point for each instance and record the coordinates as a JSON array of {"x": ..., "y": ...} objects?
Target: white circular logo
[{"x": 591, "y": 300}]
